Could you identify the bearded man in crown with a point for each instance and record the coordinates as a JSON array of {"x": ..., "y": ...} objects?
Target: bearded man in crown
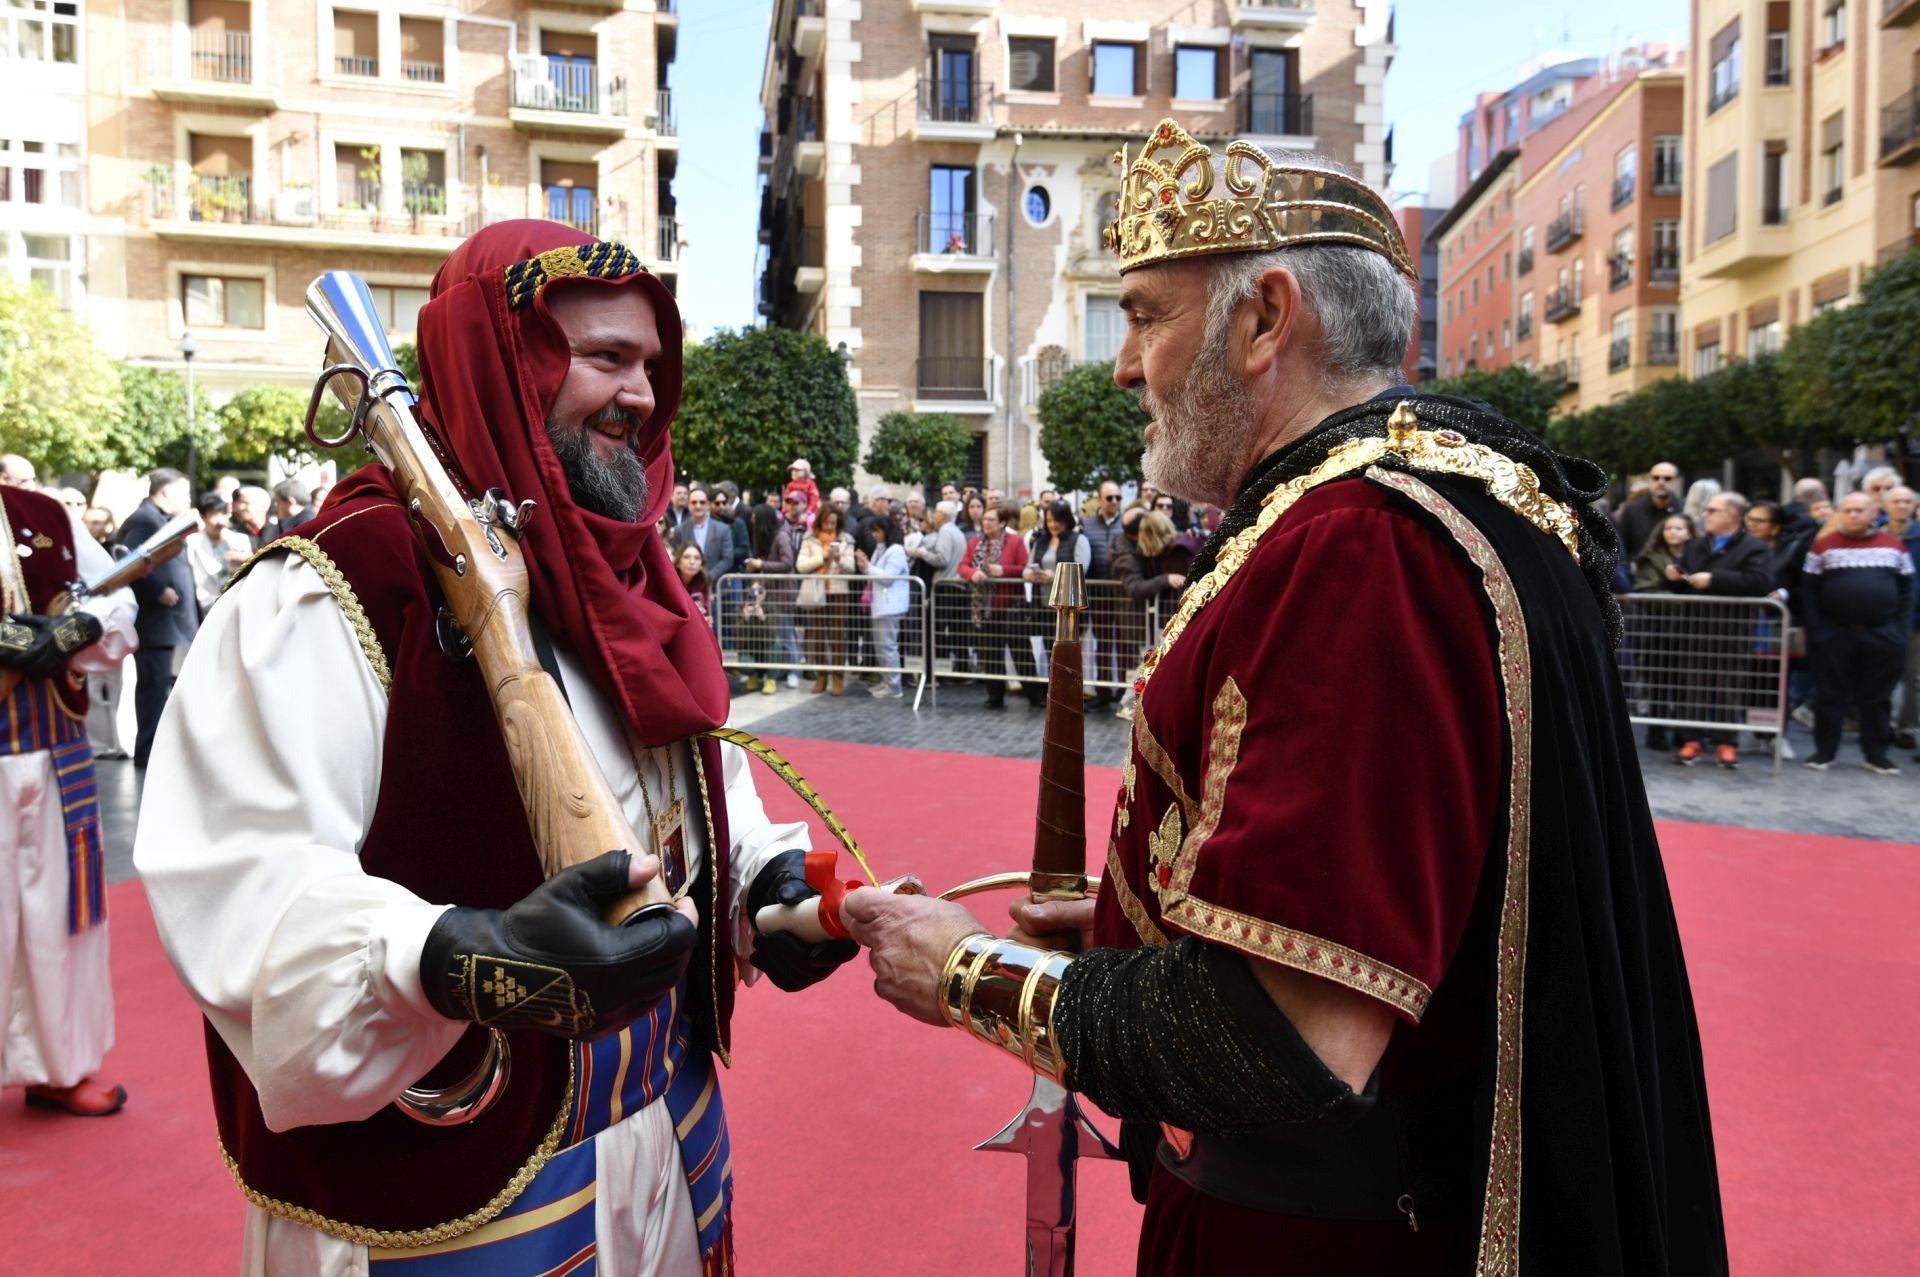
[{"x": 1383, "y": 976}]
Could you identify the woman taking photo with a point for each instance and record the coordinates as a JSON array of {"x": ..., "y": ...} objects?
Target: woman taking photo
[{"x": 824, "y": 602}]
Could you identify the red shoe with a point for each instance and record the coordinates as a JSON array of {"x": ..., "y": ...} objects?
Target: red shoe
[
  {"x": 1727, "y": 756},
  {"x": 1687, "y": 753},
  {"x": 85, "y": 1098}
]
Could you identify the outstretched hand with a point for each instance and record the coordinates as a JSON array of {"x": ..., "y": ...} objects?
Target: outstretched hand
[{"x": 908, "y": 940}]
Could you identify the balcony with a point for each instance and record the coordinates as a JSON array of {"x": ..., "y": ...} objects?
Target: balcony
[
  {"x": 1620, "y": 274},
  {"x": 1900, "y": 130},
  {"x": 1620, "y": 354},
  {"x": 1666, "y": 267},
  {"x": 971, "y": 8},
  {"x": 766, "y": 150},
  {"x": 232, "y": 209},
  {"x": 1663, "y": 348},
  {"x": 1773, "y": 214},
  {"x": 668, "y": 240},
  {"x": 1524, "y": 329},
  {"x": 1565, "y": 229},
  {"x": 350, "y": 64},
  {"x": 1622, "y": 191},
  {"x": 1274, "y": 114},
  {"x": 1666, "y": 179},
  {"x": 1564, "y": 375},
  {"x": 953, "y": 111},
  {"x": 1720, "y": 95},
  {"x": 809, "y": 152},
  {"x": 1271, "y": 15},
  {"x": 953, "y": 242},
  {"x": 1899, "y": 13},
  {"x": 810, "y": 268},
  {"x": 809, "y": 28},
  {"x": 214, "y": 67},
  {"x": 567, "y": 97},
  {"x": 423, "y": 72},
  {"x": 1525, "y": 265},
  {"x": 1561, "y": 304},
  {"x": 666, "y": 127},
  {"x": 961, "y": 378}
]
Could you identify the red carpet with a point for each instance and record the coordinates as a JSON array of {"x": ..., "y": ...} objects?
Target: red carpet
[{"x": 852, "y": 1126}]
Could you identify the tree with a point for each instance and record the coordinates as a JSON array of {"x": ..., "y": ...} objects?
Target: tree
[
  {"x": 59, "y": 392},
  {"x": 1521, "y": 395},
  {"x": 152, "y": 427},
  {"x": 406, "y": 357},
  {"x": 266, "y": 421},
  {"x": 919, "y": 449},
  {"x": 1091, "y": 430},
  {"x": 756, "y": 399}
]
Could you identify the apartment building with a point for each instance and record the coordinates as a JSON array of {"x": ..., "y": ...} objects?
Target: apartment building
[
  {"x": 1603, "y": 201},
  {"x": 1802, "y": 133},
  {"x": 1549, "y": 87},
  {"x": 239, "y": 148},
  {"x": 938, "y": 173},
  {"x": 43, "y": 138},
  {"x": 1479, "y": 260},
  {"x": 1423, "y": 358}
]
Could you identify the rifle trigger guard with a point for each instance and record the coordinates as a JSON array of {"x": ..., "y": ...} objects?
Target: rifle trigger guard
[
  {"x": 436, "y": 544},
  {"x": 452, "y": 637}
]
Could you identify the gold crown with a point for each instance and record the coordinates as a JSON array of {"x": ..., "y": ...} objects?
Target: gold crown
[{"x": 1165, "y": 214}]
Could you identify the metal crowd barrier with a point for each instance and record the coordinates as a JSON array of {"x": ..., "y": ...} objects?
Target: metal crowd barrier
[
  {"x": 775, "y": 623},
  {"x": 1707, "y": 663},
  {"x": 1000, "y": 632}
]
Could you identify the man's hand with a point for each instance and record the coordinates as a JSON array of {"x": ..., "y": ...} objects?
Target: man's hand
[
  {"x": 169, "y": 597},
  {"x": 1700, "y": 580},
  {"x": 1051, "y": 924},
  {"x": 753, "y": 565},
  {"x": 908, "y": 940},
  {"x": 1176, "y": 581},
  {"x": 1673, "y": 572}
]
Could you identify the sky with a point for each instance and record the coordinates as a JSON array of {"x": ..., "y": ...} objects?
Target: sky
[{"x": 1449, "y": 51}]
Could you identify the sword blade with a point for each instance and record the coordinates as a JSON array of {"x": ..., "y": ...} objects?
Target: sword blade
[{"x": 1053, "y": 1134}]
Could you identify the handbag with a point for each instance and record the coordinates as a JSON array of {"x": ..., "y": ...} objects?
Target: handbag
[{"x": 813, "y": 594}]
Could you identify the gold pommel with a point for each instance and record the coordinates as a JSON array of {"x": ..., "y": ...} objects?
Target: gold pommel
[
  {"x": 1252, "y": 203},
  {"x": 1003, "y": 992}
]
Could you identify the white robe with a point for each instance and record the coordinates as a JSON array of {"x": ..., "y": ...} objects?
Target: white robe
[
  {"x": 59, "y": 1023},
  {"x": 263, "y": 781}
]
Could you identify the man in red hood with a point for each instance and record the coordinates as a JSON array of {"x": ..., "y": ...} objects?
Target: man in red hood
[{"x": 353, "y": 904}]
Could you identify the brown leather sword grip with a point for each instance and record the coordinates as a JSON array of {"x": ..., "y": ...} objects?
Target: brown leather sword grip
[{"x": 1060, "y": 836}]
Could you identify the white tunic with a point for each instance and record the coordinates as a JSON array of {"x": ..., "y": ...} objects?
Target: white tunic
[
  {"x": 263, "y": 781},
  {"x": 59, "y": 1011}
]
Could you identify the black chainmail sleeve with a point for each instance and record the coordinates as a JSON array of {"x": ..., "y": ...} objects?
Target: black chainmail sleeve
[{"x": 1185, "y": 1034}]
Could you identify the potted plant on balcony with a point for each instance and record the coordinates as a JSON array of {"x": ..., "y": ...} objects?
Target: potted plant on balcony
[
  {"x": 369, "y": 175},
  {"x": 160, "y": 194}
]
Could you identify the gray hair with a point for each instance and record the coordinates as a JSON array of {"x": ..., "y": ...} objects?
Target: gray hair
[
  {"x": 1878, "y": 473},
  {"x": 1810, "y": 490},
  {"x": 1366, "y": 308},
  {"x": 949, "y": 508},
  {"x": 292, "y": 490},
  {"x": 1737, "y": 500}
]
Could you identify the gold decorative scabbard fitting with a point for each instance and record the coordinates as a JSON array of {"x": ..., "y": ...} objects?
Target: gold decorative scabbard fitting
[{"x": 1003, "y": 992}]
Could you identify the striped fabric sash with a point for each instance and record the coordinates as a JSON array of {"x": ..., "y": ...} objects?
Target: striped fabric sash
[
  {"x": 549, "y": 1229},
  {"x": 33, "y": 720}
]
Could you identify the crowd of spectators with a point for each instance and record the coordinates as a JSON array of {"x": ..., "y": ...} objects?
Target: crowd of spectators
[{"x": 1844, "y": 572}]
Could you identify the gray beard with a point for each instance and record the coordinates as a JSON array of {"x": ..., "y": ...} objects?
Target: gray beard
[
  {"x": 1204, "y": 426},
  {"x": 614, "y": 487}
]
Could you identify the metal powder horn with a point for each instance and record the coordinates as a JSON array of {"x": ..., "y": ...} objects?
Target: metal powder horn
[
  {"x": 473, "y": 548},
  {"x": 1051, "y": 1130}
]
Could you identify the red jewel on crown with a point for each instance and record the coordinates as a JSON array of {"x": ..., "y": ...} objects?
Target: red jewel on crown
[
  {"x": 1165, "y": 132},
  {"x": 1166, "y": 196}
]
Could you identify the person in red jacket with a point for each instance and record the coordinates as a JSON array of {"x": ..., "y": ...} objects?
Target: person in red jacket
[
  {"x": 995, "y": 558},
  {"x": 800, "y": 480}
]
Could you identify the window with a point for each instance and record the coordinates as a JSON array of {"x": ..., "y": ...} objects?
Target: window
[
  {"x": 1666, "y": 251},
  {"x": 1473, "y": 350},
  {"x": 1725, "y": 81},
  {"x": 569, "y": 193},
  {"x": 952, "y": 62},
  {"x": 398, "y": 306},
  {"x": 1030, "y": 64},
  {"x": 40, "y": 30},
  {"x": 1620, "y": 355},
  {"x": 1199, "y": 72},
  {"x": 1476, "y": 290},
  {"x": 1512, "y": 123},
  {"x": 1764, "y": 339},
  {"x": 1773, "y": 184},
  {"x": 1706, "y": 358},
  {"x": 1117, "y": 69},
  {"x": 1833, "y": 158},
  {"x": 39, "y": 172},
  {"x": 1506, "y": 264},
  {"x": 1274, "y": 107},
  {"x": 1663, "y": 341},
  {"x": 423, "y": 50},
  {"x": 953, "y": 363},
  {"x": 50, "y": 262},
  {"x": 1833, "y": 25},
  {"x": 1506, "y": 334},
  {"x": 1723, "y": 187},
  {"x": 1622, "y": 260},
  {"x": 356, "y": 43},
  {"x": 215, "y": 301},
  {"x": 1625, "y": 165},
  {"x": 1779, "y": 20},
  {"x": 423, "y": 183},
  {"x": 1039, "y": 205},
  {"x": 950, "y": 219},
  {"x": 1104, "y": 329},
  {"x": 1489, "y": 279},
  {"x": 356, "y": 176},
  {"x": 1666, "y": 164}
]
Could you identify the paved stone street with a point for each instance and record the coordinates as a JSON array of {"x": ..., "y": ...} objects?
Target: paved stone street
[{"x": 1847, "y": 801}]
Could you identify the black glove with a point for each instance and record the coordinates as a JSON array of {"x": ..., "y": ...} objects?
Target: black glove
[
  {"x": 790, "y": 962},
  {"x": 40, "y": 646},
  {"x": 549, "y": 963}
]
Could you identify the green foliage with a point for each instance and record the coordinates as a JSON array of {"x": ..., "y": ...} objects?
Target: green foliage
[
  {"x": 1814, "y": 377},
  {"x": 152, "y": 427},
  {"x": 911, "y": 448},
  {"x": 1521, "y": 395},
  {"x": 406, "y": 357},
  {"x": 756, "y": 399},
  {"x": 59, "y": 392},
  {"x": 1090, "y": 429},
  {"x": 264, "y": 421}
]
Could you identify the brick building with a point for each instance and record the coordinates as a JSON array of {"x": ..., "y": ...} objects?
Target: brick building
[
  {"x": 1601, "y": 192},
  {"x": 938, "y": 174},
  {"x": 1552, "y": 85},
  {"x": 1802, "y": 133},
  {"x": 1478, "y": 263},
  {"x": 239, "y": 148},
  {"x": 1423, "y": 352}
]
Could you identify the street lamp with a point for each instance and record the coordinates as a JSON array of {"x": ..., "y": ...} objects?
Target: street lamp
[{"x": 187, "y": 348}]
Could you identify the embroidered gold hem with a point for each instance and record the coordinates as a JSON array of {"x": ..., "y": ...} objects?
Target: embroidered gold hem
[
  {"x": 409, "y": 1238},
  {"x": 1303, "y": 952}
]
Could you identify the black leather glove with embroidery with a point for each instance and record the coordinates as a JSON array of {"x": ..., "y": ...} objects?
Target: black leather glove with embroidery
[
  {"x": 549, "y": 963},
  {"x": 40, "y": 646},
  {"x": 790, "y": 962}
]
